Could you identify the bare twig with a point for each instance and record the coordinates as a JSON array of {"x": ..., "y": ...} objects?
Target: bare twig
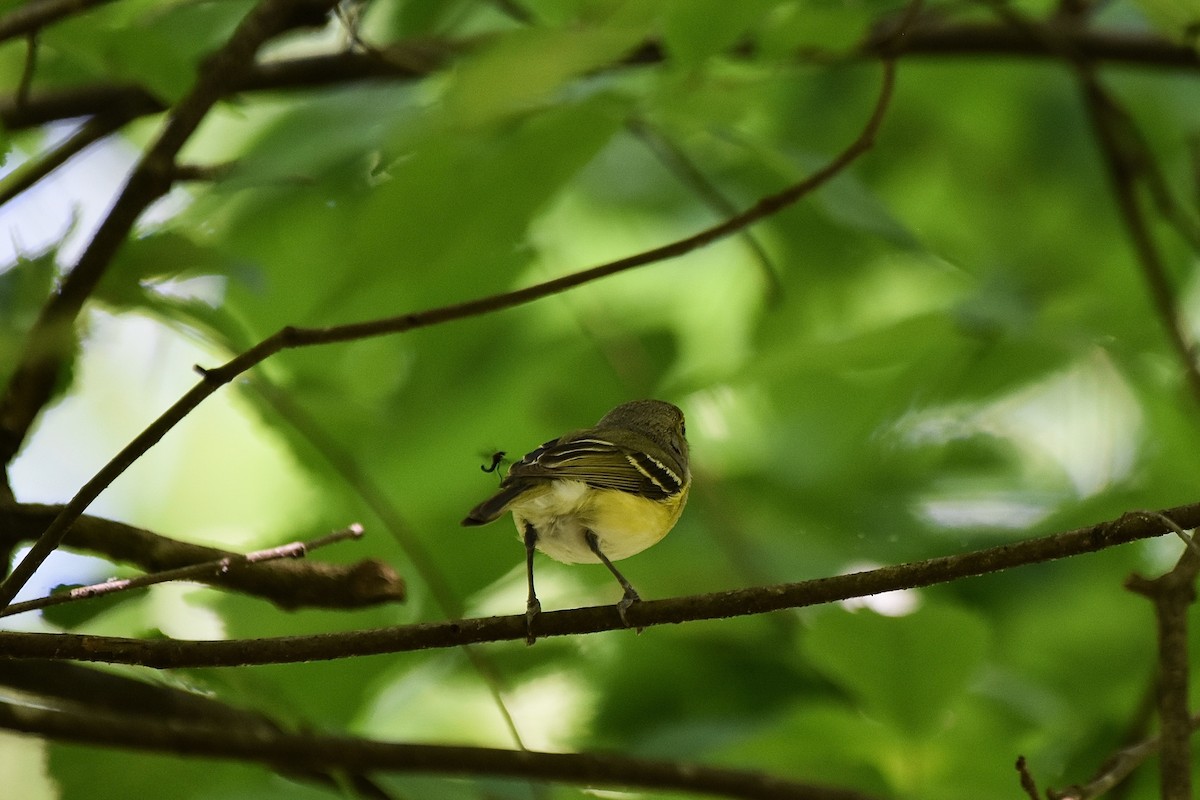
[
  {"x": 288, "y": 584},
  {"x": 739, "y": 602},
  {"x": 212, "y": 570},
  {"x": 291, "y": 337},
  {"x": 310, "y": 751}
]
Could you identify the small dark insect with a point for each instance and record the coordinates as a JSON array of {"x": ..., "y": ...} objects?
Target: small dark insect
[{"x": 497, "y": 457}]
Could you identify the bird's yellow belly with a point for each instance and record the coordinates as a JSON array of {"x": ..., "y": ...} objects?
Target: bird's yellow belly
[{"x": 624, "y": 523}]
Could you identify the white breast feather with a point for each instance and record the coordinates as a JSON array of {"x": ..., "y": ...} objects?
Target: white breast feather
[{"x": 567, "y": 510}]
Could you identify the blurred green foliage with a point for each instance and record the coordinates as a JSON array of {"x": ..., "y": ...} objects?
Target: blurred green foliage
[{"x": 949, "y": 346}]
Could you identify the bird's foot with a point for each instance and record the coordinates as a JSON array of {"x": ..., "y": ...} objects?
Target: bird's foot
[
  {"x": 532, "y": 609},
  {"x": 627, "y": 601}
]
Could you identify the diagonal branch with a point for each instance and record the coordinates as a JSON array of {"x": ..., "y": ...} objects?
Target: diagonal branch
[
  {"x": 316, "y": 752},
  {"x": 288, "y": 584},
  {"x": 161, "y": 654},
  {"x": 291, "y": 337}
]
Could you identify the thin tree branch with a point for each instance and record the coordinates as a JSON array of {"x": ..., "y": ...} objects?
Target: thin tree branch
[
  {"x": 213, "y": 571},
  {"x": 288, "y": 584},
  {"x": 292, "y": 337},
  {"x": 415, "y": 59},
  {"x": 161, "y": 654},
  {"x": 52, "y": 335},
  {"x": 310, "y": 751}
]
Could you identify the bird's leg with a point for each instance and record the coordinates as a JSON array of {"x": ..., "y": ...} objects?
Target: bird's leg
[
  {"x": 631, "y": 595},
  {"x": 533, "y": 606}
]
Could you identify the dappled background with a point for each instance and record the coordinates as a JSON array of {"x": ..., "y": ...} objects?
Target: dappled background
[{"x": 949, "y": 346}]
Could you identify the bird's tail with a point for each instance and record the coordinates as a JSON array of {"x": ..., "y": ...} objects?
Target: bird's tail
[{"x": 491, "y": 509}]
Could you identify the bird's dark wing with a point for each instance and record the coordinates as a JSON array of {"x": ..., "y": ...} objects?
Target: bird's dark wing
[{"x": 599, "y": 463}]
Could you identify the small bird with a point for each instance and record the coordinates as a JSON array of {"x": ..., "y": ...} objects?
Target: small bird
[{"x": 599, "y": 494}]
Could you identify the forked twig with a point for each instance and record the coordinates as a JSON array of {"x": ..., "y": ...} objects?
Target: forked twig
[{"x": 206, "y": 569}]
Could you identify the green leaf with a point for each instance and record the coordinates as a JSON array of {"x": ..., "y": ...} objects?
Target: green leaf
[
  {"x": 159, "y": 46},
  {"x": 24, "y": 288},
  {"x": 907, "y": 671},
  {"x": 157, "y": 257},
  {"x": 525, "y": 68}
]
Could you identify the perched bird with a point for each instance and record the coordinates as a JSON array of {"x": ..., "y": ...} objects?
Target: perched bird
[{"x": 599, "y": 494}]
